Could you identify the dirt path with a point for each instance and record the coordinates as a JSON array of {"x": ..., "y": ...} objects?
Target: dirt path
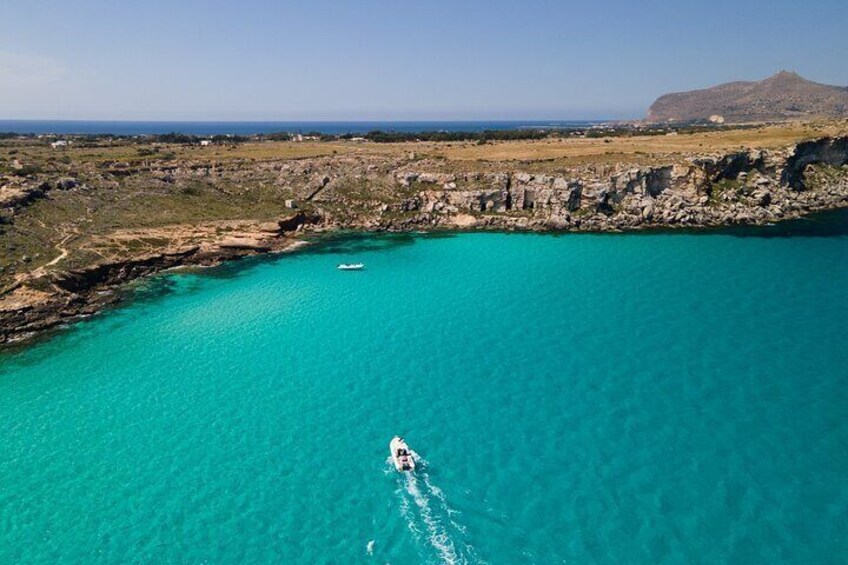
[
  {"x": 62, "y": 255},
  {"x": 63, "y": 252}
]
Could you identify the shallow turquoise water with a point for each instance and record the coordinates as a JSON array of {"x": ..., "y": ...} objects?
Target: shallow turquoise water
[{"x": 579, "y": 399}]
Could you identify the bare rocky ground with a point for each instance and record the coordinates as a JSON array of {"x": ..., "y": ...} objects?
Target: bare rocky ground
[{"x": 79, "y": 224}]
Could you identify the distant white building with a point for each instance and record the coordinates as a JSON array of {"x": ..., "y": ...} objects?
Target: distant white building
[
  {"x": 60, "y": 143},
  {"x": 205, "y": 142}
]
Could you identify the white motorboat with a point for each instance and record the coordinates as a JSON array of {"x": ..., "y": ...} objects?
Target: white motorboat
[
  {"x": 350, "y": 266},
  {"x": 402, "y": 456}
]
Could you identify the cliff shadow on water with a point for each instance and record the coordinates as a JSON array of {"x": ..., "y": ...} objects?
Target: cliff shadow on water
[
  {"x": 352, "y": 242},
  {"x": 832, "y": 223}
]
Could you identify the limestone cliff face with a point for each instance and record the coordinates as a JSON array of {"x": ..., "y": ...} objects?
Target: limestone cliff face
[
  {"x": 828, "y": 151},
  {"x": 743, "y": 187},
  {"x": 373, "y": 192}
]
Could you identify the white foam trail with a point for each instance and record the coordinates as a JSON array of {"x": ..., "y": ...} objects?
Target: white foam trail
[
  {"x": 450, "y": 513},
  {"x": 431, "y": 516},
  {"x": 410, "y": 519},
  {"x": 390, "y": 466},
  {"x": 447, "y": 508},
  {"x": 436, "y": 533}
]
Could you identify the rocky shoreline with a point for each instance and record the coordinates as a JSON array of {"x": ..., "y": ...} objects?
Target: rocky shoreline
[
  {"x": 748, "y": 187},
  {"x": 399, "y": 195},
  {"x": 33, "y": 307}
]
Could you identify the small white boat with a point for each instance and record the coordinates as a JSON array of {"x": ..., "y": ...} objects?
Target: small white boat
[
  {"x": 350, "y": 266},
  {"x": 401, "y": 455}
]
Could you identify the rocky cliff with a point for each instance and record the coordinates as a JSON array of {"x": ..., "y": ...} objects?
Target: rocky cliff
[
  {"x": 397, "y": 194},
  {"x": 49, "y": 299},
  {"x": 751, "y": 186}
]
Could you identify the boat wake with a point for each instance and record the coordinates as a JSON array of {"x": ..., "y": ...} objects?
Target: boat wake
[{"x": 431, "y": 519}]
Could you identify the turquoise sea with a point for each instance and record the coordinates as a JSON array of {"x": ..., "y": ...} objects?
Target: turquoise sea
[{"x": 665, "y": 398}]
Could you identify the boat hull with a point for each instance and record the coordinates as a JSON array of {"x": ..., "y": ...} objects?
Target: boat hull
[{"x": 402, "y": 456}]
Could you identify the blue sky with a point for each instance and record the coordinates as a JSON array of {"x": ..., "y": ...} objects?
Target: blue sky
[{"x": 251, "y": 59}]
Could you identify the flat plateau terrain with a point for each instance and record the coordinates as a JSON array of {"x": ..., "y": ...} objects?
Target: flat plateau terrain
[{"x": 568, "y": 151}]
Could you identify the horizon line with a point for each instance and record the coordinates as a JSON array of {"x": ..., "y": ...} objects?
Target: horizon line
[{"x": 322, "y": 120}]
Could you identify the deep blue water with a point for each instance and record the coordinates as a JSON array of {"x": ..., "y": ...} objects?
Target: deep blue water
[
  {"x": 666, "y": 398},
  {"x": 247, "y": 128}
]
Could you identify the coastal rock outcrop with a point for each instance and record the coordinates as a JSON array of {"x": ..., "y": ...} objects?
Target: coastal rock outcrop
[
  {"x": 385, "y": 193},
  {"x": 38, "y": 303},
  {"x": 752, "y": 186},
  {"x": 827, "y": 151}
]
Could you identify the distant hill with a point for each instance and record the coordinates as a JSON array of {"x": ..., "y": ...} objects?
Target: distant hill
[{"x": 783, "y": 96}]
